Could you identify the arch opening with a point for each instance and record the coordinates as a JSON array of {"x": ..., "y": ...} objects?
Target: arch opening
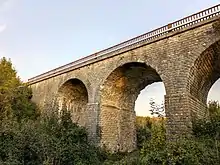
[
  {"x": 118, "y": 95},
  {"x": 214, "y": 92},
  {"x": 204, "y": 73},
  {"x": 73, "y": 97},
  {"x": 153, "y": 92}
]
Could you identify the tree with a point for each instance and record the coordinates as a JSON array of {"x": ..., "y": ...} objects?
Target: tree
[
  {"x": 157, "y": 109},
  {"x": 214, "y": 110},
  {"x": 14, "y": 95}
]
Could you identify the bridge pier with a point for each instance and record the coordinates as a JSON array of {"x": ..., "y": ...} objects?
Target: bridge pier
[
  {"x": 118, "y": 133},
  {"x": 181, "y": 110},
  {"x": 92, "y": 122}
]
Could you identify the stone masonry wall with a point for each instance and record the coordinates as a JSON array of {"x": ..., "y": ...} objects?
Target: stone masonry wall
[{"x": 171, "y": 59}]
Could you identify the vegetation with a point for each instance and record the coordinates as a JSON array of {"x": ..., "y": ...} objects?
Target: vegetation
[
  {"x": 45, "y": 141},
  {"x": 28, "y": 137},
  {"x": 14, "y": 95},
  {"x": 157, "y": 110}
]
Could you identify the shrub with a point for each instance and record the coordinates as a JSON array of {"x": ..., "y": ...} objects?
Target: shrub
[
  {"x": 190, "y": 151},
  {"x": 153, "y": 151},
  {"x": 143, "y": 130},
  {"x": 48, "y": 140},
  {"x": 182, "y": 151}
]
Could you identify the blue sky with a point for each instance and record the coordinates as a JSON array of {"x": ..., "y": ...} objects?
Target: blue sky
[{"x": 43, "y": 34}]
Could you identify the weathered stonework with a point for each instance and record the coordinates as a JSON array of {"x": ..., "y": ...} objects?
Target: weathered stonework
[
  {"x": 73, "y": 96},
  {"x": 101, "y": 95}
]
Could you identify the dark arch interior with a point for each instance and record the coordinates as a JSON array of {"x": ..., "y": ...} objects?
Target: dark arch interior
[
  {"x": 118, "y": 95},
  {"x": 73, "y": 96},
  {"x": 205, "y": 72}
]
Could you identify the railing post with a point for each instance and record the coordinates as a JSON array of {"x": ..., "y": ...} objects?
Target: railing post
[{"x": 169, "y": 27}]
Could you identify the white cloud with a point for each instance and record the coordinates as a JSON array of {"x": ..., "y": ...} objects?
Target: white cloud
[{"x": 2, "y": 27}]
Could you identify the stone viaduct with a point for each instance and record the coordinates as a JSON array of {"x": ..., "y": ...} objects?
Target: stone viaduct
[{"x": 100, "y": 90}]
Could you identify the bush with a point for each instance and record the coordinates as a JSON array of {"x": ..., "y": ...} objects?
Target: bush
[
  {"x": 153, "y": 151},
  {"x": 122, "y": 159},
  {"x": 48, "y": 140},
  {"x": 185, "y": 151},
  {"x": 143, "y": 130},
  {"x": 209, "y": 126},
  {"x": 189, "y": 151},
  {"x": 202, "y": 149}
]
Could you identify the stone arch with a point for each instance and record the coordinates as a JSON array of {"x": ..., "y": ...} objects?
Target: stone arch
[
  {"x": 118, "y": 94},
  {"x": 203, "y": 74},
  {"x": 73, "y": 96}
]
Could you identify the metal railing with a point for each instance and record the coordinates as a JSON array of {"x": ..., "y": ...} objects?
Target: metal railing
[{"x": 177, "y": 25}]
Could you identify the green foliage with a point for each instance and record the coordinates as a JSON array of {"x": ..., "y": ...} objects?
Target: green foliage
[
  {"x": 14, "y": 95},
  {"x": 210, "y": 126},
  {"x": 28, "y": 138},
  {"x": 49, "y": 140},
  {"x": 144, "y": 121},
  {"x": 143, "y": 134},
  {"x": 185, "y": 151},
  {"x": 208, "y": 129},
  {"x": 188, "y": 151},
  {"x": 21, "y": 105},
  {"x": 202, "y": 149},
  {"x": 123, "y": 159},
  {"x": 214, "y": 109},
  {"x": 143, "y": 130},
  {"x": 153, "y": 151},
  {"x": 8, "y": 75}
]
